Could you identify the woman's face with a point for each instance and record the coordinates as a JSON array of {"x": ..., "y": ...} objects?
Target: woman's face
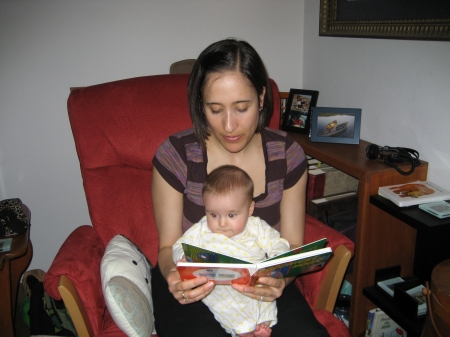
[{"x": 231, "y": 107}]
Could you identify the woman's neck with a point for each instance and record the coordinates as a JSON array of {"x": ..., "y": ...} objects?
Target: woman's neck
[
  {"x": 250, "y": 159},
  {"x": 218, "y": 155}
]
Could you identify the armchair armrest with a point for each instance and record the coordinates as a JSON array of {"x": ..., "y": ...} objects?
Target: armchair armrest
[
  {"x": 329, "y": 288},
  {"x": 321, "y": 288},
  {"x": 78, "y": 260},
  {"x": 75, "y": 307}
]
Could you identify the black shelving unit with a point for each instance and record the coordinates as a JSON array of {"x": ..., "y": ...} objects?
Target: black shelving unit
[
  {"x": 432, "y": 239},
  {"x": 386, "y": 303}
]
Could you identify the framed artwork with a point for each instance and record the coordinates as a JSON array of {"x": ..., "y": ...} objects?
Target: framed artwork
[
  {"x": 388, "y": 19},
  {"x": 297, "y": 117},
  {"x": 335, "y": 125}
]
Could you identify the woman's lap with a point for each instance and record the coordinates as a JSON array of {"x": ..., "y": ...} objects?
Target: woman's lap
[
  {"x": 295, "y": 317},
  {"x": 173, "y": 319}
]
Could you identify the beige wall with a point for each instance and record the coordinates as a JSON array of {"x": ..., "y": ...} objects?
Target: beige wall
[
  {"x": 48, "y": 46},
  {"x": 403, "y": 88}
]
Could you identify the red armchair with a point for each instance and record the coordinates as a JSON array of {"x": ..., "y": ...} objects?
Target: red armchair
[{"x": 117, "y": 128}]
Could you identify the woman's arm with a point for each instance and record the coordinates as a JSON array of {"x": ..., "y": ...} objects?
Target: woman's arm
[
  {"x": 168, "y": 212},
  {"x": 293, "y": 213}
]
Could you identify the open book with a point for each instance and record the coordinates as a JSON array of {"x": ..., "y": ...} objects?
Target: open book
[{"x": 225, "y": 269}]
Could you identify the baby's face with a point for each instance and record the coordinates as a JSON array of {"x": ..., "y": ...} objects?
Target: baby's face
[{"x": 227, "y": 214}]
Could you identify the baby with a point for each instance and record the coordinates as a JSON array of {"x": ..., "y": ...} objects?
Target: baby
[{"x": 229, "y": 228}]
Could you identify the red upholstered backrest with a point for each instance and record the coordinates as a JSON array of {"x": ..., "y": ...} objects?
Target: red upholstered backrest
[{"x": 117, "y": 128}]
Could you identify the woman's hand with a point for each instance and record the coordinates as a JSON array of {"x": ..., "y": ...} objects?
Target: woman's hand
[
  {"x": 269, "y": 291},
  {"x": 186, "y": 292}
]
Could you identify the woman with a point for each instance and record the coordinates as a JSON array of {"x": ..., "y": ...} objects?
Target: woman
[{"x": 230, "y": 100}]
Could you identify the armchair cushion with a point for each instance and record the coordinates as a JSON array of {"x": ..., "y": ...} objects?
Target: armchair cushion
[
  {"x": 334, "y": 326},
  {"x": 125, "y": 275}
]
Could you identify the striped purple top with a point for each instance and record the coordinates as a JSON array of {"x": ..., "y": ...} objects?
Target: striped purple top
[{"x": 182, "y": 163}]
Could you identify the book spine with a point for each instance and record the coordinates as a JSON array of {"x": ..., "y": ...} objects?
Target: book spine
[
  {"x": 315, "y": 186},
  {"x": 379, "y": 318},
  {"x": 369, "y": 324}
]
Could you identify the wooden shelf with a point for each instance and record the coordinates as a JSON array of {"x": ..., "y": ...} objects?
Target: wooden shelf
[
  {"x": 431, "y": 244},
  {"x": 415, "y": 217},
  {"x": 381, "y": 240}
]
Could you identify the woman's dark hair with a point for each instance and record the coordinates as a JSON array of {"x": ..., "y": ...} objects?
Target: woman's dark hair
[{"x": 221, "y": 56}]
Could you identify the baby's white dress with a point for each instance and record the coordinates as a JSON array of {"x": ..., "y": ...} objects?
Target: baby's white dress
[{"x": 237, "y": 313}]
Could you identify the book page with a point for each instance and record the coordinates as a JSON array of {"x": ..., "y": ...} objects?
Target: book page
[
  {"x": 314, "y": 261},
  {"x": 303, "y": 249},
  {"x": 197, "y": 254}
]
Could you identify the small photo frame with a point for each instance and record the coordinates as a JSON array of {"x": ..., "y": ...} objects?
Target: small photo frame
[
  {"x": 297, "y": 117},
  {"x": 335, "y": 125}
]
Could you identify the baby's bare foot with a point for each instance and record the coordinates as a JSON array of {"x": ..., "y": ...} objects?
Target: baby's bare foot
[{"x": 263, "y": 330}]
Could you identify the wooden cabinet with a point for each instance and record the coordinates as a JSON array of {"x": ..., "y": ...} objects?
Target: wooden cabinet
[{"x": 381, "y": 240}]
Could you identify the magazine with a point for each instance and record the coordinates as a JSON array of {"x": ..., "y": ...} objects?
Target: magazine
[
  {"x": 414, "y": 193},
  {"x": 225, "y": 269}
]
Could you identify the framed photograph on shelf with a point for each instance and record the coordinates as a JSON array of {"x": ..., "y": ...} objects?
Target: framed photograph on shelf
[
  {"x": 297, "y": 117},
  {"x": 335, "y": 125}
]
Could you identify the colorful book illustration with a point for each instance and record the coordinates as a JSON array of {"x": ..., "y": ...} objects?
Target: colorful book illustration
[
  {"x": 225, "y": 269},
  {"x": 414, "y": 193}
]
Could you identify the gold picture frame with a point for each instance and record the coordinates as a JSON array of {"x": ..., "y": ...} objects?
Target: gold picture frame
[{"x": 346, "y": 18}]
